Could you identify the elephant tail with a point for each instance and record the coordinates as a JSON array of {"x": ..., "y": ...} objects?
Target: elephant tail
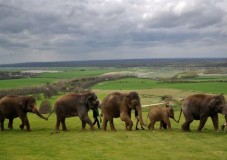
[
  {"x": 179, "y": 116},
  {"x": 50, "y": 113},
  {"x": 100, "y": 117},
  {"x": 147, "y": 117}
]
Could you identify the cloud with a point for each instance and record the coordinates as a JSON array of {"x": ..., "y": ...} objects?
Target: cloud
[{"x": 57, "y": 30}]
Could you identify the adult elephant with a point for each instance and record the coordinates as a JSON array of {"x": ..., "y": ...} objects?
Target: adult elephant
[
  {"x": 13, "y": 106},
  {"x": 200, "y": 107},
  {"x": 71, "y": 105},
  {"x": 120, "y": 105},
  {"x": 162, "y": 115}
]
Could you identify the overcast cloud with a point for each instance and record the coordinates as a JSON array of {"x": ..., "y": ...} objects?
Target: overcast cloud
[{"x": 59, "y": 30}]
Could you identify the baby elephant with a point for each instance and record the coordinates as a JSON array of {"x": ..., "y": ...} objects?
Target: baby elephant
[{"x": 162, "y": 114}]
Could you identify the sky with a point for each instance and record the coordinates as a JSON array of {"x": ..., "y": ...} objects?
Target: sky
[{"x": 74, "y": 30}]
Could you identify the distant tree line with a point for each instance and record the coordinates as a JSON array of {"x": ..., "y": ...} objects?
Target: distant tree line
[{"x": 15, "y": 75}]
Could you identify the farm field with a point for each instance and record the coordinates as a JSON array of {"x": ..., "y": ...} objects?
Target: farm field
[
  {"x": 46, "y": 77},
  {"x": 175, "y": 144},
  {"x": 137, "y": 84}
]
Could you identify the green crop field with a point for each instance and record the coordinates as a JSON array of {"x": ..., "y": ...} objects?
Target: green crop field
[
  {"x": 44, "y": 78},
  {"x": 135, "y": 83},
  {"x": 18, "y": 83},
  {"x": 70, "y": 73}
]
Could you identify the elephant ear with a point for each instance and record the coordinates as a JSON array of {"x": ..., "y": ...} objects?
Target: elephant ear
[
  {"x": 91, "y": 100},
  {"x": 216, "y": 101},
  {"x": 169, "y": 111},
  {"x": 27, "y": 102},
  {"x": 127, "y": 101},
  {"x": 89, "y": 96},
  {"x": 24, "y": 103}
]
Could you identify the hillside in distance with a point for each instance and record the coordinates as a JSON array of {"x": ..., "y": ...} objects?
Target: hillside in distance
[{"x": 169, "y": 62}]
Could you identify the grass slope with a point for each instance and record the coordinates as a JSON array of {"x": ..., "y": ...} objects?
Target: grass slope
[{"x": 127, "y": 145}]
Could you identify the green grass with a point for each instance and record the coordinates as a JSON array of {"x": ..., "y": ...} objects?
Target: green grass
[
  {"x": 18, "y": 83},
  {"x": 127, "y": 145},
  {"x": 136, "y": 84},
  {"x": 70, "y": 73}
]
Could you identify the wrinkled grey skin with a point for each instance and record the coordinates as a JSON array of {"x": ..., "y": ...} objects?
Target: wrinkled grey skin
[{"x": 202, "y": 106}]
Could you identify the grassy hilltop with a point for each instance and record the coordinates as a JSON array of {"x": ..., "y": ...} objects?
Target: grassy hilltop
[{"x": 175, "y": 144}]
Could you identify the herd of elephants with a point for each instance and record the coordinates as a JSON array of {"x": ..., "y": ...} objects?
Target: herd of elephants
[{"x": 114, "y": 105}]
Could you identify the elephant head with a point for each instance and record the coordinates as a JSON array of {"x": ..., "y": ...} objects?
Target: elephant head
[
  {"x": 170, "y": 113},
  {"x": 92, "y": 101},
  {"x": 217, "y": 104},
  {"x": 133, "y": 102},
  {"x": 29, "y": 105}
]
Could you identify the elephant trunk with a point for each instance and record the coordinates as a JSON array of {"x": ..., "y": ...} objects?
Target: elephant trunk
[
  {"x": 139, "y": 110},
  {"x": 35, "y": 110},
  {"x": 175, "y": 120}
]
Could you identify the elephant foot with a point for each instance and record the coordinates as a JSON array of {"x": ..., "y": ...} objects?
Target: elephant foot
[
  {"x": 222, "y": 127},
  {"x": 137, "y": 128},
  {"x": 21, "y": 126},
  {"x": 83, "y": 129},
  {"x": 186, "y": 130}
]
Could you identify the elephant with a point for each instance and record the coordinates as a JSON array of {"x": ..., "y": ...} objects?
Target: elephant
[
  {"x": 120, "y": 105},
  {"x": 13, "y": 106},
  {"x": 73, "y": 104},
  {"x": 200, "y": 107},
  {"x": 162, "y": 114}
]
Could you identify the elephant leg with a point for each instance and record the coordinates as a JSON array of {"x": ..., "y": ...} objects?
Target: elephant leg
[
  {"x": 86, "y": 119},
  {"x": 104, "y": 123},
  {"x": 161, "y": 125},
  {"x": 202, "y": 123},
  {"x": 112, "y": 125},
  {"x": 137, "y": 122},
  {"x": 2, "y": 123},
  {"x": 149, "y": 126},
  {"x": 215, "y": 121},
  {"x": 83, "y": 123},
  {"x": 64, "y": 128},
  {"x": 22, "y": 126},
  {"x": 10, "y": 124},
  {"x": 167, "y": 122},
  {"x": 25, "y": 122},
  {"x": 57, "y": 124},
  {"x": 186, "y": 125},
  {"x": 152, "y": 125},
  {"x": 127, "y": 120}
]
